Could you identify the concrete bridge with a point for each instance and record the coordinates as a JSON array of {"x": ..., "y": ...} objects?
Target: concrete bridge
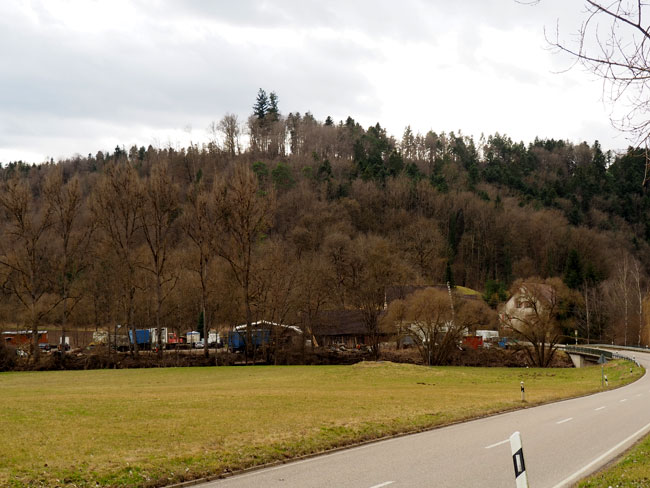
[{"x": 580, "y": 355}]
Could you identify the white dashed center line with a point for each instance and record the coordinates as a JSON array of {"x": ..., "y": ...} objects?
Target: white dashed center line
[
  {"x": 383, "y": 484},
  {"x": 497, "y": 444},
  {"x": 599, "y": 408},
  {"x": 623, "y": 400},
  {"x": 565, "y": 420}
]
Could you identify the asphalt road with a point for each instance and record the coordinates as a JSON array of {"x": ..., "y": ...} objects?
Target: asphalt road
[{"x": 562, "y": 442}]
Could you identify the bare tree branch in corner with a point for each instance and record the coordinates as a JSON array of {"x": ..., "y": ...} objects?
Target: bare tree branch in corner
[{"x": 613, "y": 42}]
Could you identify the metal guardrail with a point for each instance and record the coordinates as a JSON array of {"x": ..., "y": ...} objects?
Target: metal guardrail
[
  {"x": 590, "y": 351},
  {"x": 597, "y": 352},
  {"x": 625, "y": 348}
]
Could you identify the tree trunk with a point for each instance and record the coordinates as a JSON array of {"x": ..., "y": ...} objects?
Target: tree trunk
[
  {"x": 249, "y": 327},
  {"x": 64, "y": 321},
  {"x": 159, "y": 300},
  {"x": 35, "y": 350},
  {"x": 587, "y": 312},
  {"x": 204, "y": 299},
  {"x": 131, "y": 325}
]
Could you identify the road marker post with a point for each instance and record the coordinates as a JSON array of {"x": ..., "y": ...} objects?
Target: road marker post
[
  {"x": 517, "y": 450},
  {"x": 606, "y": 382},
  {"x": 523, "y": 392}
]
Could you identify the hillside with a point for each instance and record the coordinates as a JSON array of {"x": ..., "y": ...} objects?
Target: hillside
[{"x": 338, "y": 213}]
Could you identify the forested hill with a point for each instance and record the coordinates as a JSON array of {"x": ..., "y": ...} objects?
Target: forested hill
[{"x": 423, "y": 209}]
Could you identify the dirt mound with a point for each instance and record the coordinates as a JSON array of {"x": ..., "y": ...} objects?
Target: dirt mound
[{"x": 489, "y": 357}]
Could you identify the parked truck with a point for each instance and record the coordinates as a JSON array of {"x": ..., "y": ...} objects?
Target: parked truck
[
  {"x": 170, "y": 340},
  {"x": 214, "y": 339},
  {"x": 142, "y": 338},
  {"x": 174, "y": 340},
  {"x": 488, "y": 335},
  {"x": 154, "y": 335},
  {"x": 193, "y": 337},
  {"x": 119, "y": 342},
  {"x": 472, "y": 342}
]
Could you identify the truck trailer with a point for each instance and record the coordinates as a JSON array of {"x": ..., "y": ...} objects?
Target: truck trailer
[{"x": 142, "y": 337}]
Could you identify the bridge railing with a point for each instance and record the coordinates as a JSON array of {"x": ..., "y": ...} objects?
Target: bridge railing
[{"x": 596, "y": 351}]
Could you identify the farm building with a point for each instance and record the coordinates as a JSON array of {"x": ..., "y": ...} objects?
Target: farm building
[
  {"x": 264, "y": 332},
  {"x": 342, "y": 328},
  {"x": 18, "y": 338}
]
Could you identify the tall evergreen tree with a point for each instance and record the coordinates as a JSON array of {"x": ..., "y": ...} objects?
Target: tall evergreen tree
[
  {"x": 573, "y": 274},
  {"x": 273, "y": 111},
  {"x": 449, "y": 276},
  {"x": 261, "y": 107}
]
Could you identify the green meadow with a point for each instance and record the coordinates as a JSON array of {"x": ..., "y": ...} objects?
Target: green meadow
[{"x": 152, "y": 427}]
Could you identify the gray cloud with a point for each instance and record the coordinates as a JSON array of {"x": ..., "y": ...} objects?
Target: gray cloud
[{"x": 62, "y": 88}]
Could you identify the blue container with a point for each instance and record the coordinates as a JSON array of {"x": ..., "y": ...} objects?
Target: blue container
[
  {"x": 237, "y": 339},
  {"x": 143, "y": 336}
]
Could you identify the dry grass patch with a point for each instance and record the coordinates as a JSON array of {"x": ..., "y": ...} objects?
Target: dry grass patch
[{"x": 150, "y": 427}]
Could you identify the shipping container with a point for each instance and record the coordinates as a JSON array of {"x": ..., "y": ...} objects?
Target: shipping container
[
  {"x": 193, "y": 337},
  {"x": 143, "y": 337}
]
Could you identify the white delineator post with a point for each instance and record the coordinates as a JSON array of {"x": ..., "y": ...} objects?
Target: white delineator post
[{"x": 521, "y": 477}]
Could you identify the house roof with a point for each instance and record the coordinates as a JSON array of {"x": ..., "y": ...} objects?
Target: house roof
[
  {"x": 22, "y": 332},
  {"x": 265, "y": 324},
  {"x": 340, "y": 322}
]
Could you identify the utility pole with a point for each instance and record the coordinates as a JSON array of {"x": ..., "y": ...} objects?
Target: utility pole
[{"x": 451, "y": 301}]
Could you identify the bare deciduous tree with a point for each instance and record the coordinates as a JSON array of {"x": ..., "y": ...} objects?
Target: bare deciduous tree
[
  {"x": 613, "y": 42},
  {"x": 622, "y": 282},
  {"x": 229, "y": 127},
  {"x": 423, "y": 244},
  {"x": 158, "y": 216},
  {"x": 314, "y": 293},
  {"x": 74, "y": 236},
  {"x": 25, "y": 254},
  {"x": 117, "y": 205},
  {"x": 275, "y": 295},
  {"x": 426, "y": 316},
  {"x": 539, "y": 306},
  {"x": 373, "y": 265},
  {"x": 638, "y": 279},
  {"x": 198, "y": 224},
  {"x": 436, "y": 328},
  {"x": 243, "y": 215}
]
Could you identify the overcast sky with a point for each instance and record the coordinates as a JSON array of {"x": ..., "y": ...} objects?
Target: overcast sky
[{"x": 80, "y": 76}]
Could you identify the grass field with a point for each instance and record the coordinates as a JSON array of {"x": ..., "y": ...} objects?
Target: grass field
[
  {"x": 632, "y": 471},
  {"x": 150, "y": 427}
]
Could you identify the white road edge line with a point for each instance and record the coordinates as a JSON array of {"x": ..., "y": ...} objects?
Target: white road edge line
[
  {"x": 575, "y": 476},
  {"x": 383, "y": 484},
  {"x": 599, "y": 408},
  {"x": 497, "y": 444},
  {"x": 565, "y": 420}
]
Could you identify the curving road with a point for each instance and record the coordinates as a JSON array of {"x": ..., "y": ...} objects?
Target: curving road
[{"x": 562, "y": 442}]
